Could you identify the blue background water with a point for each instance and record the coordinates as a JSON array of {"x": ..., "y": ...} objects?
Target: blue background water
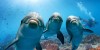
[{"x": 12, "y": 11}]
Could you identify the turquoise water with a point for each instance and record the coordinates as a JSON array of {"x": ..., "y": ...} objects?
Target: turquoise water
[{"x": 12, "y": 11}]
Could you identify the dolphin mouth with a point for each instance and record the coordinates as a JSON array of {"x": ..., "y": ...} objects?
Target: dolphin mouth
[
  {"x": 56, "y": 20},
  {"x": 74, "y": 21},
  {"x": 33, "y": 23}
]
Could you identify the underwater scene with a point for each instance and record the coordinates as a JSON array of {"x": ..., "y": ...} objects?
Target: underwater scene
[{"x": 49, "y": 25}]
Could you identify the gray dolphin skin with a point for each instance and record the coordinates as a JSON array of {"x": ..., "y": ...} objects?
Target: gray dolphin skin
[
  {"x": 75, "y": 31},
  {"x": 29, "y": 33},
  {"x": 53, "y": 27}
]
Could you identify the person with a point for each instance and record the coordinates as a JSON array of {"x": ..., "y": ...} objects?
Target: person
[{"x": 89, "y": 22}]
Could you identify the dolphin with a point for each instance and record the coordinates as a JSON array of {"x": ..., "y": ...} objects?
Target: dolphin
[
  {"x": 53, "y": 27},
  {"x": 29, "y": 33},
  {"x": 75, "y": 30}
]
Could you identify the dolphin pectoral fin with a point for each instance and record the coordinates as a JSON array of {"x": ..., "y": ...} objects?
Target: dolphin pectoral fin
[
  {"x": 88, "y": 30},
  {"x": 38, "y": 46},
  {"x": 45, "y": 30},
  {"x": 12, "y": 43},
  {"x": 60, "y": 37}
]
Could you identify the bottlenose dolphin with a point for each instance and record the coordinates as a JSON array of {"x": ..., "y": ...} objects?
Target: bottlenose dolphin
[
  {"x": 75, "y": 31},
  {"x": 53, "y": 27},
  {"x": 29, "y": 33}
]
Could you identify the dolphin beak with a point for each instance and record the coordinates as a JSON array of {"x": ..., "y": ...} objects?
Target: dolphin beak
[
  {"x": 74, "y": 22},
  {"x": 56, "y": 19},
  {"x": 33, "y": 23}
]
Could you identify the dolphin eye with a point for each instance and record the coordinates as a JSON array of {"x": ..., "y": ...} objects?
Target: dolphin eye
[
  {"x": 69, "y": 18},
  {"x": 23, "y": 21},
  {"x": 26, "y": 22}
]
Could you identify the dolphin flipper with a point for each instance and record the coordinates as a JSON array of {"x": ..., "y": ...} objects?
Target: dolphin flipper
[
  {"x": 45, "y": 30},
  {"x": 38, "y": 46},
  {"x": 47, "y": 27},
  {"x": 60, "y": 37},
  {"x": 88, "y": 30},
  {"x": 12, "y": 43}
]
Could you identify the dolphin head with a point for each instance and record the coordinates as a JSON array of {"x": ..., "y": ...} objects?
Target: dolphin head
[
  {"x": 32, "y": 20},
  {"x": 73, "y": 20},
  {"x": 56, "y": 18}
]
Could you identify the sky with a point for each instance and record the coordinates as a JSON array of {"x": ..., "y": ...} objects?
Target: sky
[{"x": 13, "y": 11}]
